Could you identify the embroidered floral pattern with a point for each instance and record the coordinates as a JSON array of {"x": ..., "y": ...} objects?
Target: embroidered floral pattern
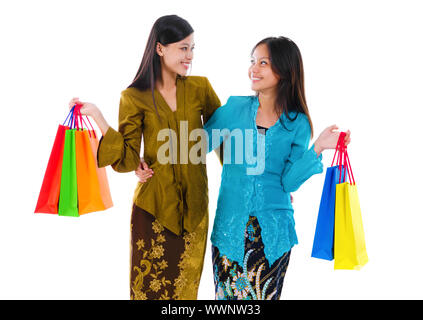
[
  {"x": 288, "y": 163},
  {"x": 254, "y": 279}
]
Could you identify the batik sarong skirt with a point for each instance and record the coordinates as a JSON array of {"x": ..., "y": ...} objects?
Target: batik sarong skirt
[
  {"x": 252, "y": 278},
  {"x": 165, "y": 265}
]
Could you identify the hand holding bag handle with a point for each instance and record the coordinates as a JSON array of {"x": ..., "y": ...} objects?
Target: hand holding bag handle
[
  {"x": 343, "y": 160},
  {"x": 89, "y": 197},
  {"x": 101, "y": 174}
]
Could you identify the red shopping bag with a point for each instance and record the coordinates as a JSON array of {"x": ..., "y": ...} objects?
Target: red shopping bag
[{"x": 48, "y": 197}]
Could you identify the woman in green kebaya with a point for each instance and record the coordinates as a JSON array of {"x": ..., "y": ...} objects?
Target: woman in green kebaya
[{"x": 170, "y": 210}]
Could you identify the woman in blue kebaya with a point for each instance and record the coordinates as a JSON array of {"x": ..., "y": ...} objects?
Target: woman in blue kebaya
[{"x": 268, "y": 157}]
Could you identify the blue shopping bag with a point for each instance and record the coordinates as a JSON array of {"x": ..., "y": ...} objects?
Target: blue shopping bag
[
  {"x": 325, "y": 226},
  {"x": 324, "y": 234}
]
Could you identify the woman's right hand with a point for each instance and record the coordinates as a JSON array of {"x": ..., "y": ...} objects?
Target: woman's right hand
[
  {"x": 90, "y": 109},
  {"x": 328, "y": 139},
  {"x": 143, "y": 172},
  {"x": 87, "y": 109}
]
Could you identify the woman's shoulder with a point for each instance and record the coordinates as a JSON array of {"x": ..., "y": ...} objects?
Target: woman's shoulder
[
  {"x": 303, "y": 120},
  {"x": 134, "y": 97},
  {"x": 195, "y": 81},
  {"x": 135, "y": 92},
  {"x": 299, "y": 122},
  {"x": 297, "y": 118},
  {"x": 242, "y": 99},
  {"x": 237, "y": 105}
]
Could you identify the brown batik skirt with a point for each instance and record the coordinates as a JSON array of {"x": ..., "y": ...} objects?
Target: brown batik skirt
[{"x": 165, "y": 266}]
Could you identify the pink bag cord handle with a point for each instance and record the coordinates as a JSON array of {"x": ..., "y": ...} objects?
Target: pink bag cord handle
[
  {"x": 343, "y": 160},
  {"x": 81, "y": 119}
]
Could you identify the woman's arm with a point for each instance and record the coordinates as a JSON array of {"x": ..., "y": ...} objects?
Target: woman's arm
[
  {"x": 120, "y": 149},
  {"x": 101, "y": 123},
  {"x": 211, "y": 104},
  {"x": 220, "y": 123},
  {"x": 90, "y": 109},
  {"x": 328, "y": 139},
  {"x": 304, "y": 162}
]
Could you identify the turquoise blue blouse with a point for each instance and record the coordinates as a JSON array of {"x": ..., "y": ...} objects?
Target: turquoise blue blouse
[{"x": 259, "y": 172}]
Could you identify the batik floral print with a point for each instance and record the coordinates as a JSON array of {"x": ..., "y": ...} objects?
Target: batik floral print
[
  {"x": 165, "y": 266},
  {"x": 254, "y": 279},
  {"x": 151, "y": 267}
]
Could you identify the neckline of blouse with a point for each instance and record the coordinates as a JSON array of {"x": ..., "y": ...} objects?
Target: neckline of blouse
[
  {"x": 256, "y": 104},
  {"x": 178, "y": 96},
  {"x": 283, "y": 117}
]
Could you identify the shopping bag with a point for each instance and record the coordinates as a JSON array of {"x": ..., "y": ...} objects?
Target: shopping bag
[
  {"x": 68, "y": 201},
  {"x": 73, "y": 184},
  {"x": 323, "y": 236},
  {"x": 89, "y": 197},
  {"x": 48, "y": 197},
  {"x": 349, "y": 244},
  {"x": 101, "y": 172}
]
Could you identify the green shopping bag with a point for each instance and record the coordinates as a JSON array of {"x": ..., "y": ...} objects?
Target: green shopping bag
[{"x": 68, "y": 201}]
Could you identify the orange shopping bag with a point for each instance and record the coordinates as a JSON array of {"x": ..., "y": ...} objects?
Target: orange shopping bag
[
  {"x": 101, "y": 172},
  {"x": 89, "y": 196}
]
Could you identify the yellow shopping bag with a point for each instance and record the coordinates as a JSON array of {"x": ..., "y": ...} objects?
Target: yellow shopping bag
[{"x": 349, "y": 245}]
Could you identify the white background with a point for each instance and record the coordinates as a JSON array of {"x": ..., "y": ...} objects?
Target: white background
[{"x": 363, "y": 71}]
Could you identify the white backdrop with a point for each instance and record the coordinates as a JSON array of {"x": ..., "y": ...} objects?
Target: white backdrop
[{"x": 363, "y": 71}]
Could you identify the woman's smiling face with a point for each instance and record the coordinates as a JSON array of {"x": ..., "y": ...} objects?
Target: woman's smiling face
[
  {"x": 177, "y": 57},
  {"x": 260, "y": 72}
]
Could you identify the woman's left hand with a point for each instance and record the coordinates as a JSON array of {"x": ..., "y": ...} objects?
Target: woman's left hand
[{"x": 328, "y": 139}]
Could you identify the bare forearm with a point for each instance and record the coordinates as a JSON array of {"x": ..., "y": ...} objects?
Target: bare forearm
[
  {"x": 101, "y": 122},
  {"x": 318, "y": 149}
]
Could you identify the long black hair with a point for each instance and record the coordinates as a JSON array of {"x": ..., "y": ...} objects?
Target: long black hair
[
  {"x": 287, "y": 63},
  {"x": 167, "y": 29}
]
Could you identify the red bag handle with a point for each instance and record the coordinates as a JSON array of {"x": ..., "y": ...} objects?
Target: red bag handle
[
  {"x": 343, "y": 160},
  {"x": 338, "y": 148},
  {"x": 81, "y": 119},
  {"x": 348, "y": 164},
  {"x": 340, "y": 161}
]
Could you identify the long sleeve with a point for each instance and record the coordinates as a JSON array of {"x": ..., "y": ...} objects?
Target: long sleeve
[
  {"x": 302, "y": 162},
  {"x": 219, "y": 122},
  {"x": 121, "y": 149},
  {"x": 212, "y": 103}
]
